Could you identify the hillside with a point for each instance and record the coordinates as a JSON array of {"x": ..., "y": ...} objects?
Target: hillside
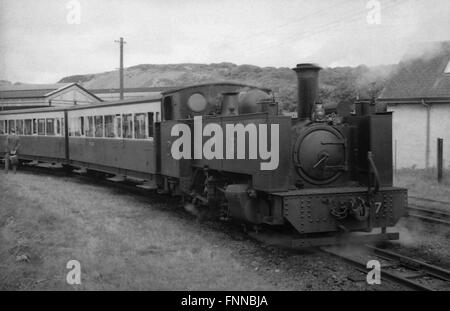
[{"x": 336, "y": 84}]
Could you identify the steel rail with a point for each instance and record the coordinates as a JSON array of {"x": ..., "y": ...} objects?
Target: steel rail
[
  {"x": 432, "y": 270},
  {"x": 399, "y": 261},
  {"x": 430, "y": 215},
  {"x": 429, "y": 200}
]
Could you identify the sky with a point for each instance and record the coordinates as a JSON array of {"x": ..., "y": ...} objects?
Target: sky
[{"x": 43, "y": 41}]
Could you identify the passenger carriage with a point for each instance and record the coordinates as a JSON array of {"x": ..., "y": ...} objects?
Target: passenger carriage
[
  {"x": 41, "y": 132},
  {"x": 115, "y": 137}
]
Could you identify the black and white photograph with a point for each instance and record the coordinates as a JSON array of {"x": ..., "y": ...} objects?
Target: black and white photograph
[{"x": 224, "y": 153}]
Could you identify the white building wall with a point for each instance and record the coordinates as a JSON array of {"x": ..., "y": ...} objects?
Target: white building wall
[
  {"x": 409, "y": 130},
  {"x": 440, "y": 128},
  {"x": 70, "y": 95}
]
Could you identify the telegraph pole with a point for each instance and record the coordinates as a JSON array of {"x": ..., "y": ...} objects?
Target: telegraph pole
[{"x": 121, "y": 42}]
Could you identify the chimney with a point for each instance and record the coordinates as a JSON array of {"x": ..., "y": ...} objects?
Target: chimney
[{"x": 307, "y": 85}]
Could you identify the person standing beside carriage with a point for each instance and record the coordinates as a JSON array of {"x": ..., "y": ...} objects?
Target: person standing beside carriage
[{"x": 12, "y": 147}]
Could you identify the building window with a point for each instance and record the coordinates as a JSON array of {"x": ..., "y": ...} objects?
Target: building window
[
  {"x": 98, "y": 126},
  {"x": 140, "y": 131},
  {"x": 127, "y": 126},
  {"x": 50, "y": 127},
  {"x": 41, "y": 126},
  {"x": 28, "y": 127}
]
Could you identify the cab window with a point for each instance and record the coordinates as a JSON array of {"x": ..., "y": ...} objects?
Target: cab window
[{"x": 168, "y": 108}]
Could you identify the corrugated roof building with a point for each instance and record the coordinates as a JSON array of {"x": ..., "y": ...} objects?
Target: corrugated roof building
[
  {"x": 44, "y": 95},
  {"x": 418, "y": 94}
]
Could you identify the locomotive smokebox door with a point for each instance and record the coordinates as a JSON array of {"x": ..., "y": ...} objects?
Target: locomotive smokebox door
[{"x": 320, "y": 154}]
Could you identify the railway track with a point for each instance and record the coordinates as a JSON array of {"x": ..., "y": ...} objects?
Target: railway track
[
  {"x": 429, "y": 200},
  {"x": 429, "y": 210},
  {"x": 429, "y": 215},
  {"x": 409, "y": 272}
]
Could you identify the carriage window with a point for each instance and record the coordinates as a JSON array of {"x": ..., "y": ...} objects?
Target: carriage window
[
  {"x": 11, "y": 125},
  {"x": 89, "y": 126},
  {"x": 19, "y": 127},
  {"x": 75, "y": 126},
  {"x": 58, "y": 127},
  {"x": 41, "y": 126},
  {"x": 109, "y": 126},
  {"x": 127, "y": 126},
  {"x": 71, "y": 127},
  {"x": 50, "y": 127},
  {"x": 63, "y": 129},
  {"x": 35, "y": 127},
  {"x": 150, "y": 124},
  {"x": 118, "y": 125},
  {"x": 27, "y": 129},
  {"x": 140, "y": 131},
  {"x": 2, "y": 127},
  {"x": 81, "y": 125},
  {"x": 98, "y": 126}
]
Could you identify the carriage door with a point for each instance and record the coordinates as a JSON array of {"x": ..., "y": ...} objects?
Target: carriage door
[{"x": 169, "y": 166}]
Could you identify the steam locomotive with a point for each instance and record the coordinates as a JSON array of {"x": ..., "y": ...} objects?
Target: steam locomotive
[{"x": 322, "y": 177}]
